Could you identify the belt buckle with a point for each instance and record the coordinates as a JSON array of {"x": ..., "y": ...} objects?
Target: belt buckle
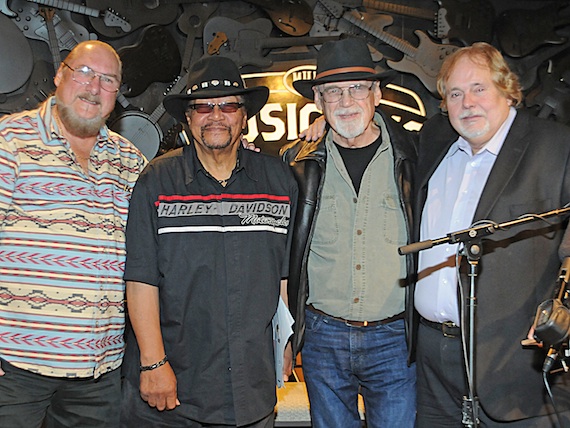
[
  {"x": 447, "y": 325},
  {"x": 357, "y": 324}
]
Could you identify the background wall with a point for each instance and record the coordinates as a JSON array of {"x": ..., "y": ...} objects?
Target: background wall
[{"x": 276, "y": 42}]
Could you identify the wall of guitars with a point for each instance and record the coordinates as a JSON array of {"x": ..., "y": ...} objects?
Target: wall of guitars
[{"x": 276, "y": 42}]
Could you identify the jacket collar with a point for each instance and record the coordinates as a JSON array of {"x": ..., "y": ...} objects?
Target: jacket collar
[{"x": 316, "y": 150}]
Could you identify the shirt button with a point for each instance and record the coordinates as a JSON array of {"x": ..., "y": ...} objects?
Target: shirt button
[
  {"x": 358, "y": 267},
  {"x": 356, "y": 300},
  {"x": 355, "y": 200},
  {"x": 359, "y": 232}
]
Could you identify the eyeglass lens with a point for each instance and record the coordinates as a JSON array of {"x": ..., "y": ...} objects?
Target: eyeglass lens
[
  {"x": 85, "y": 75},
  {"x": 334, "y": 94},
  {"x": 205, "y": 108}
]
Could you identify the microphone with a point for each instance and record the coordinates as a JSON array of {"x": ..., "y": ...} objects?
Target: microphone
[
  {"x": 552, "y": 322},
  {"x": 551, "y": 358}
]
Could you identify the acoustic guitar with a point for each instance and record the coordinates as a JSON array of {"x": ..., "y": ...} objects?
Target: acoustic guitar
[
  {"x": 141, "y": 128},
  {"x": 248, "y": 44},
  {"x": 16, "y": 59},
  {"x": 36, "y": 90},
  {"x": 153, "y": 58},
  {"x": 293, "y": 17},
  {"x": 522, "y": 31}
]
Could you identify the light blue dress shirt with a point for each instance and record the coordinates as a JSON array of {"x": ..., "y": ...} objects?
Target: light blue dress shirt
[{"x": 454, "y": 191}]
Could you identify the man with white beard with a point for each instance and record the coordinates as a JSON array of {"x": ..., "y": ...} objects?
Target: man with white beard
[
  {"x": 347, "y": 282},
  {"x": 64, "y": 195}
]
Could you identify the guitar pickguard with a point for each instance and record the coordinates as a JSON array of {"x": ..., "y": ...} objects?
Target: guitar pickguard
[
  {"x": 426, "y": 62},
  {"x": 33, "y": 25},
  {"x": 37, "y": 89}
]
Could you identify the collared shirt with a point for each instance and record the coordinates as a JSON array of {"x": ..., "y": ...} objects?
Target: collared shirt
[
  {"x": 217, "y": 255},
  {"x": 354, "y": 268},
  {"x": 62, "y": 247},
  {"x": 454, "y": 191}
]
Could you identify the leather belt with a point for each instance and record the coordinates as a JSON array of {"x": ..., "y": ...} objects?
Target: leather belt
[
  {"x": 447, "y": 328},
  {"x": 351, "y": 323}
]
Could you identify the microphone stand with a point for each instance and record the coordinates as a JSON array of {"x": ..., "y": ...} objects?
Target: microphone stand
[{"x": 473, "y": 250}]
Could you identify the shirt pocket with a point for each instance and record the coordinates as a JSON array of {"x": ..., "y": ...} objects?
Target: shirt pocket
[
  {"x": 393, "y": 224},
  {"x": 326, "y": 227}
]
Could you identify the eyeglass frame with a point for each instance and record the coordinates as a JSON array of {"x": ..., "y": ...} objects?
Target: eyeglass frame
[
  {"x": 95, "y": 74},
  {"x": 221, "y": 106},
  {"x": 349, "y": 89}
]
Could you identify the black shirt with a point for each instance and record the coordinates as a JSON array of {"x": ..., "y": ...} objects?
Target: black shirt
[
  {"x": 217, "y": 255},
  {"x": 357, "y": 159}
]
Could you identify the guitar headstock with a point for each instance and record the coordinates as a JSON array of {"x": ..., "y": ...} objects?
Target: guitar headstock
[{"x": 113, "y": 19}]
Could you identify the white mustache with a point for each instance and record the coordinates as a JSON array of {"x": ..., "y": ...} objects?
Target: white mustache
[
  {"x": 346, "y": 112},
  {"x": 470, "y": 113}
]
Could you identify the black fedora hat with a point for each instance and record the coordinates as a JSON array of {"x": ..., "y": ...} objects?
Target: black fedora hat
[
  {"x": 213, "y": 77},
  {"x": 342, "y": 60}
]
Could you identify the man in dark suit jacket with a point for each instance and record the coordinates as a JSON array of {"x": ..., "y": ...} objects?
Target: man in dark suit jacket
[{"x": 487, "y": 160}]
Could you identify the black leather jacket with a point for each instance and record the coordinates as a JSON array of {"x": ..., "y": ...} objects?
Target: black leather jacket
[{"x": 307, "y": 161}]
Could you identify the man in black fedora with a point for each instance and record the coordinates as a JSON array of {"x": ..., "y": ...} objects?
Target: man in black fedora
[
  {"x": 208, "y": 239},
  {"x": 347, "y": 282}
]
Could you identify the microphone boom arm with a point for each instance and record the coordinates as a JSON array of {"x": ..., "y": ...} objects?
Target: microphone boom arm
[{"x": 478, "y": 232}]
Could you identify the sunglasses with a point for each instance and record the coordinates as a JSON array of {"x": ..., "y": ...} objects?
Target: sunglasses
[{"x": 209, "y": 107}]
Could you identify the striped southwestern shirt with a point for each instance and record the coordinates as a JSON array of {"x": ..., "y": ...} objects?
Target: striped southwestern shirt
[{"x": 62, "y": 247}]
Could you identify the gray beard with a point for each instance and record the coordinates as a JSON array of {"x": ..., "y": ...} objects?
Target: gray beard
[
  {"x": 351, "y": 129},
  {"x": 218, "y": 146},
  {"x": 78, "y": 126}
]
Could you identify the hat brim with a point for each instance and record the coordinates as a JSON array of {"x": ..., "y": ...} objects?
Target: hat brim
[
  {"x": 255, "y": 99},
  {"x": 305, "y": 87}
]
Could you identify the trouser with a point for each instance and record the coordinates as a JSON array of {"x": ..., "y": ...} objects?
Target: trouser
[
  {"x": 136, "y": 413},
  {"x": 340, "y": 360},
  {"x": 442, "y": 384},
  {"x": 28, "y": 399}
]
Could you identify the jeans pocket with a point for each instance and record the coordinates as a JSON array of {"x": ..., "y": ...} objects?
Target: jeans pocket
[
  {"x": 397, "y": 327},
  {"x": 312, "y": 321}
]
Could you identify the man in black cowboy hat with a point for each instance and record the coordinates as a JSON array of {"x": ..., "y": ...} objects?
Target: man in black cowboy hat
[
  {"x": 208, "y": 239},
  {"x": 346, "y": 283}
]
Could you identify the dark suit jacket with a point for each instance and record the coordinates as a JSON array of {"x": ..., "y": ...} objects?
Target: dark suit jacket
[{"x": 519, "y": 266}]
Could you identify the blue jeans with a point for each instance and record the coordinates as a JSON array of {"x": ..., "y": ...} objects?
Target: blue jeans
[{"x": 339, "y": 361}]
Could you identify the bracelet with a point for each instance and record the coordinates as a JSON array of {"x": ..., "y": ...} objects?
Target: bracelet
[{"x": 155, "y": 365}]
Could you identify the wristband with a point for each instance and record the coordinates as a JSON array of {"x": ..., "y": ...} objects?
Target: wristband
[{"x": 155, "y": 365}]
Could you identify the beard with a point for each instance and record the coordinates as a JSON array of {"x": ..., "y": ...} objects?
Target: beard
[
  {"x": 469, "y": 132},
  {"x": 79, "y": 126},
  {"x": 349, "y": 128},
  {"x": 220, "y": 143}
]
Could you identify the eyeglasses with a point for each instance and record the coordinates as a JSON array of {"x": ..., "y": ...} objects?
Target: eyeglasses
[
  {"x": 333, "y": 94},
  {"x": 206, "y": 108},
  {"x": 84, "y": 75}
]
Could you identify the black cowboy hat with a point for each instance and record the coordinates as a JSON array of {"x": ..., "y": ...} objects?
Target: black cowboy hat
[
  {"x": 342, "y": 60},
  {"x": 213, "y": 77}
]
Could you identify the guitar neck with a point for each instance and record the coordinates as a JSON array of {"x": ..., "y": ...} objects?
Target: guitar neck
[
  {"x": 72, "y": 7},
  {"x": 359, "y": 21},
  {"x": 176, "y": 89},
  {"x": 398, "y": 9},
  {"x": 48, "y": 15}
]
